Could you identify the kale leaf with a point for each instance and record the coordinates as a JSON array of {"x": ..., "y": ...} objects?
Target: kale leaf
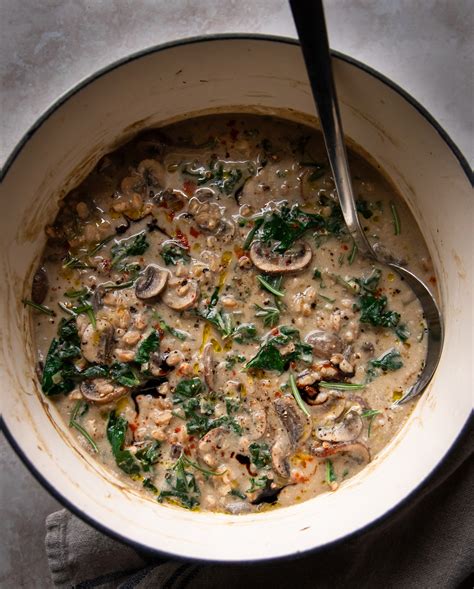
[
  {"x": 182, "y": 486},
  {"x": 117, "y": 427},
  {"x": 149, "y": 345},
  {"x": 173, "y": 253},
  {"x": 260, "y": 454},
  {"x": 59, "y": 367},
  {"x": 373, "y": 306},
  {"x": 269, "y": 356},
  {"x": 149, "y": 455},
  {"x": 198, "y": 410},
  {"x": 284, "y": 227},
  {"x": 388, "y": 361}
]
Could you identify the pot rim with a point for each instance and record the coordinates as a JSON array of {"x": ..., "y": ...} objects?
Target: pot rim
[{"x": 86, "y": 81}]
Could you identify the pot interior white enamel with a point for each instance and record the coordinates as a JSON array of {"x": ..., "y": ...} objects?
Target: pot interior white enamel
[{"x": 257, "y": 75}]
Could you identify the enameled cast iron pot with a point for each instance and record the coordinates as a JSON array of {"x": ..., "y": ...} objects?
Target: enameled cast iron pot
[{"x": 230, "y": 74}]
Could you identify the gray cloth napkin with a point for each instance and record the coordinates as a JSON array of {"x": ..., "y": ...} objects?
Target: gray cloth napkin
[{"x": 427, "y": 543}]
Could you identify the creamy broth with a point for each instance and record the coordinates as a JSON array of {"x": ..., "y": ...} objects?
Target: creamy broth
[{"x": 206, "y": 327}]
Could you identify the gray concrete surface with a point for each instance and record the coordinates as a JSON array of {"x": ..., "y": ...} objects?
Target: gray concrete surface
[{"x": 47, "y": 46}]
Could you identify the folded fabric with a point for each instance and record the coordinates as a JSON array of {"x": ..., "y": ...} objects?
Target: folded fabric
[{"x": 428, "y": 543}]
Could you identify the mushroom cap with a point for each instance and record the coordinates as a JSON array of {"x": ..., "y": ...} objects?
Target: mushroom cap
[
  {"x": 98, "y": 391},
  {"x": 181, "y": 294},
  {"x": 293, "y": 260},
  {"x": 329, "y": 410},
  {"x": 297, "y": 424},
  {"x": 325, "y": 343},
  {"x": 151, "y": 283},
  {"x": 152, "y": 171},
  {"x": 97, "y": 343},
  {"x": 40, "y": 286},
  {"x": 347, "y": 430}
]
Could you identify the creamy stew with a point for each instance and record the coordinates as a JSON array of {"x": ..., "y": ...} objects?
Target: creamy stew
[{"x": 206, "y": 326}]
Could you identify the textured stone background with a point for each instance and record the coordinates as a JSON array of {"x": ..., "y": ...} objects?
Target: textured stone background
[{"x": 48, "y": 46}]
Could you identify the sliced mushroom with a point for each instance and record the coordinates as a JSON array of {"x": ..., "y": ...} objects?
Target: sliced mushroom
[
  {"x": 281, "y": 450},
  {"x": 97, "y": 343},
  {"x": 40, "y": 286},
  {"x": 328, "y": 406},
  {"x": 297, "y": 424},
  {"x": 358, "y": 451},
  {"x": 151, "y": 283},
  {"x": 347, "y": 430},
  {"x": 291, "y": 427},
  {"x": 325, "y": 344},
  {"x": 181, "y": 294},
  {"x": 170, "y": 199},
  {"x": 293, "y": 260},
  {"x": 102, "y": 390},
  {"x": 152, "y": 172}
]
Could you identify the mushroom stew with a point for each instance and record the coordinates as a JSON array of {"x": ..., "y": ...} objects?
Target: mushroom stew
[{"x": 207, "y": 328}]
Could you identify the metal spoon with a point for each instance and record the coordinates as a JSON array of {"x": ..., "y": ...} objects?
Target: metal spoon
[{"x": 311, "y": 27}]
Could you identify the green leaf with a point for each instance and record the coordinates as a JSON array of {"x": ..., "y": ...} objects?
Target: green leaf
[
  {"x": 177, "y": 333},
  {"x": 149, "y": 345},
  {"x": 257, "y": 483},
  {"x": 272, "y": 284},
  {"x": 245, "y": 332},
  {"x": 260, "y": 454},
  {"x": 173, "y": 253},
  {"x": 341, "y": 386},
  {"x": 389, "y": 361},
  {"x": 149, "y": 455},
  {"x": 269, "y": 315},
  {"x": 396, "y": 219},
  {"x": 132, "y": 246},
  {"x": 402, "y": 332},
  {"x": 125, "y": 374},
  {"x": 41, "y": 308},
  {"x": 59, "y": 363},
  {"x": 285, "y": 226},
  {"x": 268, "y": 358},
  {"x": 80, "y": 409},
  {"x": 330, "y": 473},
  {"x": 296, "y": 394},
  {"x": 147, "y": 484},
  {"x": 117, "y": 427},
  {"x": 182, "y": 485}
]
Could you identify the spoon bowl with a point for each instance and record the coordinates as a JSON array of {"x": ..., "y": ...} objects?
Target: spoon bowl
[{"x": 311, "y": 27}]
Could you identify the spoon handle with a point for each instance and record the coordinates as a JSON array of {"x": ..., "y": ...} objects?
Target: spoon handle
[{"x": 311, "y": 26}]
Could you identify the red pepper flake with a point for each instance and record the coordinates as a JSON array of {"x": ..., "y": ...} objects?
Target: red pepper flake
[
  {"x": 177, "y": 430},
  {"x": 239, "y": 252},
  {"x": 194, "y": 232},
  {"x": 189, "y": 187},
  {"x": 181, "y": 237},
  {"x": 344, "y": 247},
  {"x": 432, "y": 279},
  {"x": 278, "y": 394},
  {"x": 133, "y": 426}
]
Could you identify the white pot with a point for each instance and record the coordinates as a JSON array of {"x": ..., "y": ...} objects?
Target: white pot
[{"x": 232, "y": 74}]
